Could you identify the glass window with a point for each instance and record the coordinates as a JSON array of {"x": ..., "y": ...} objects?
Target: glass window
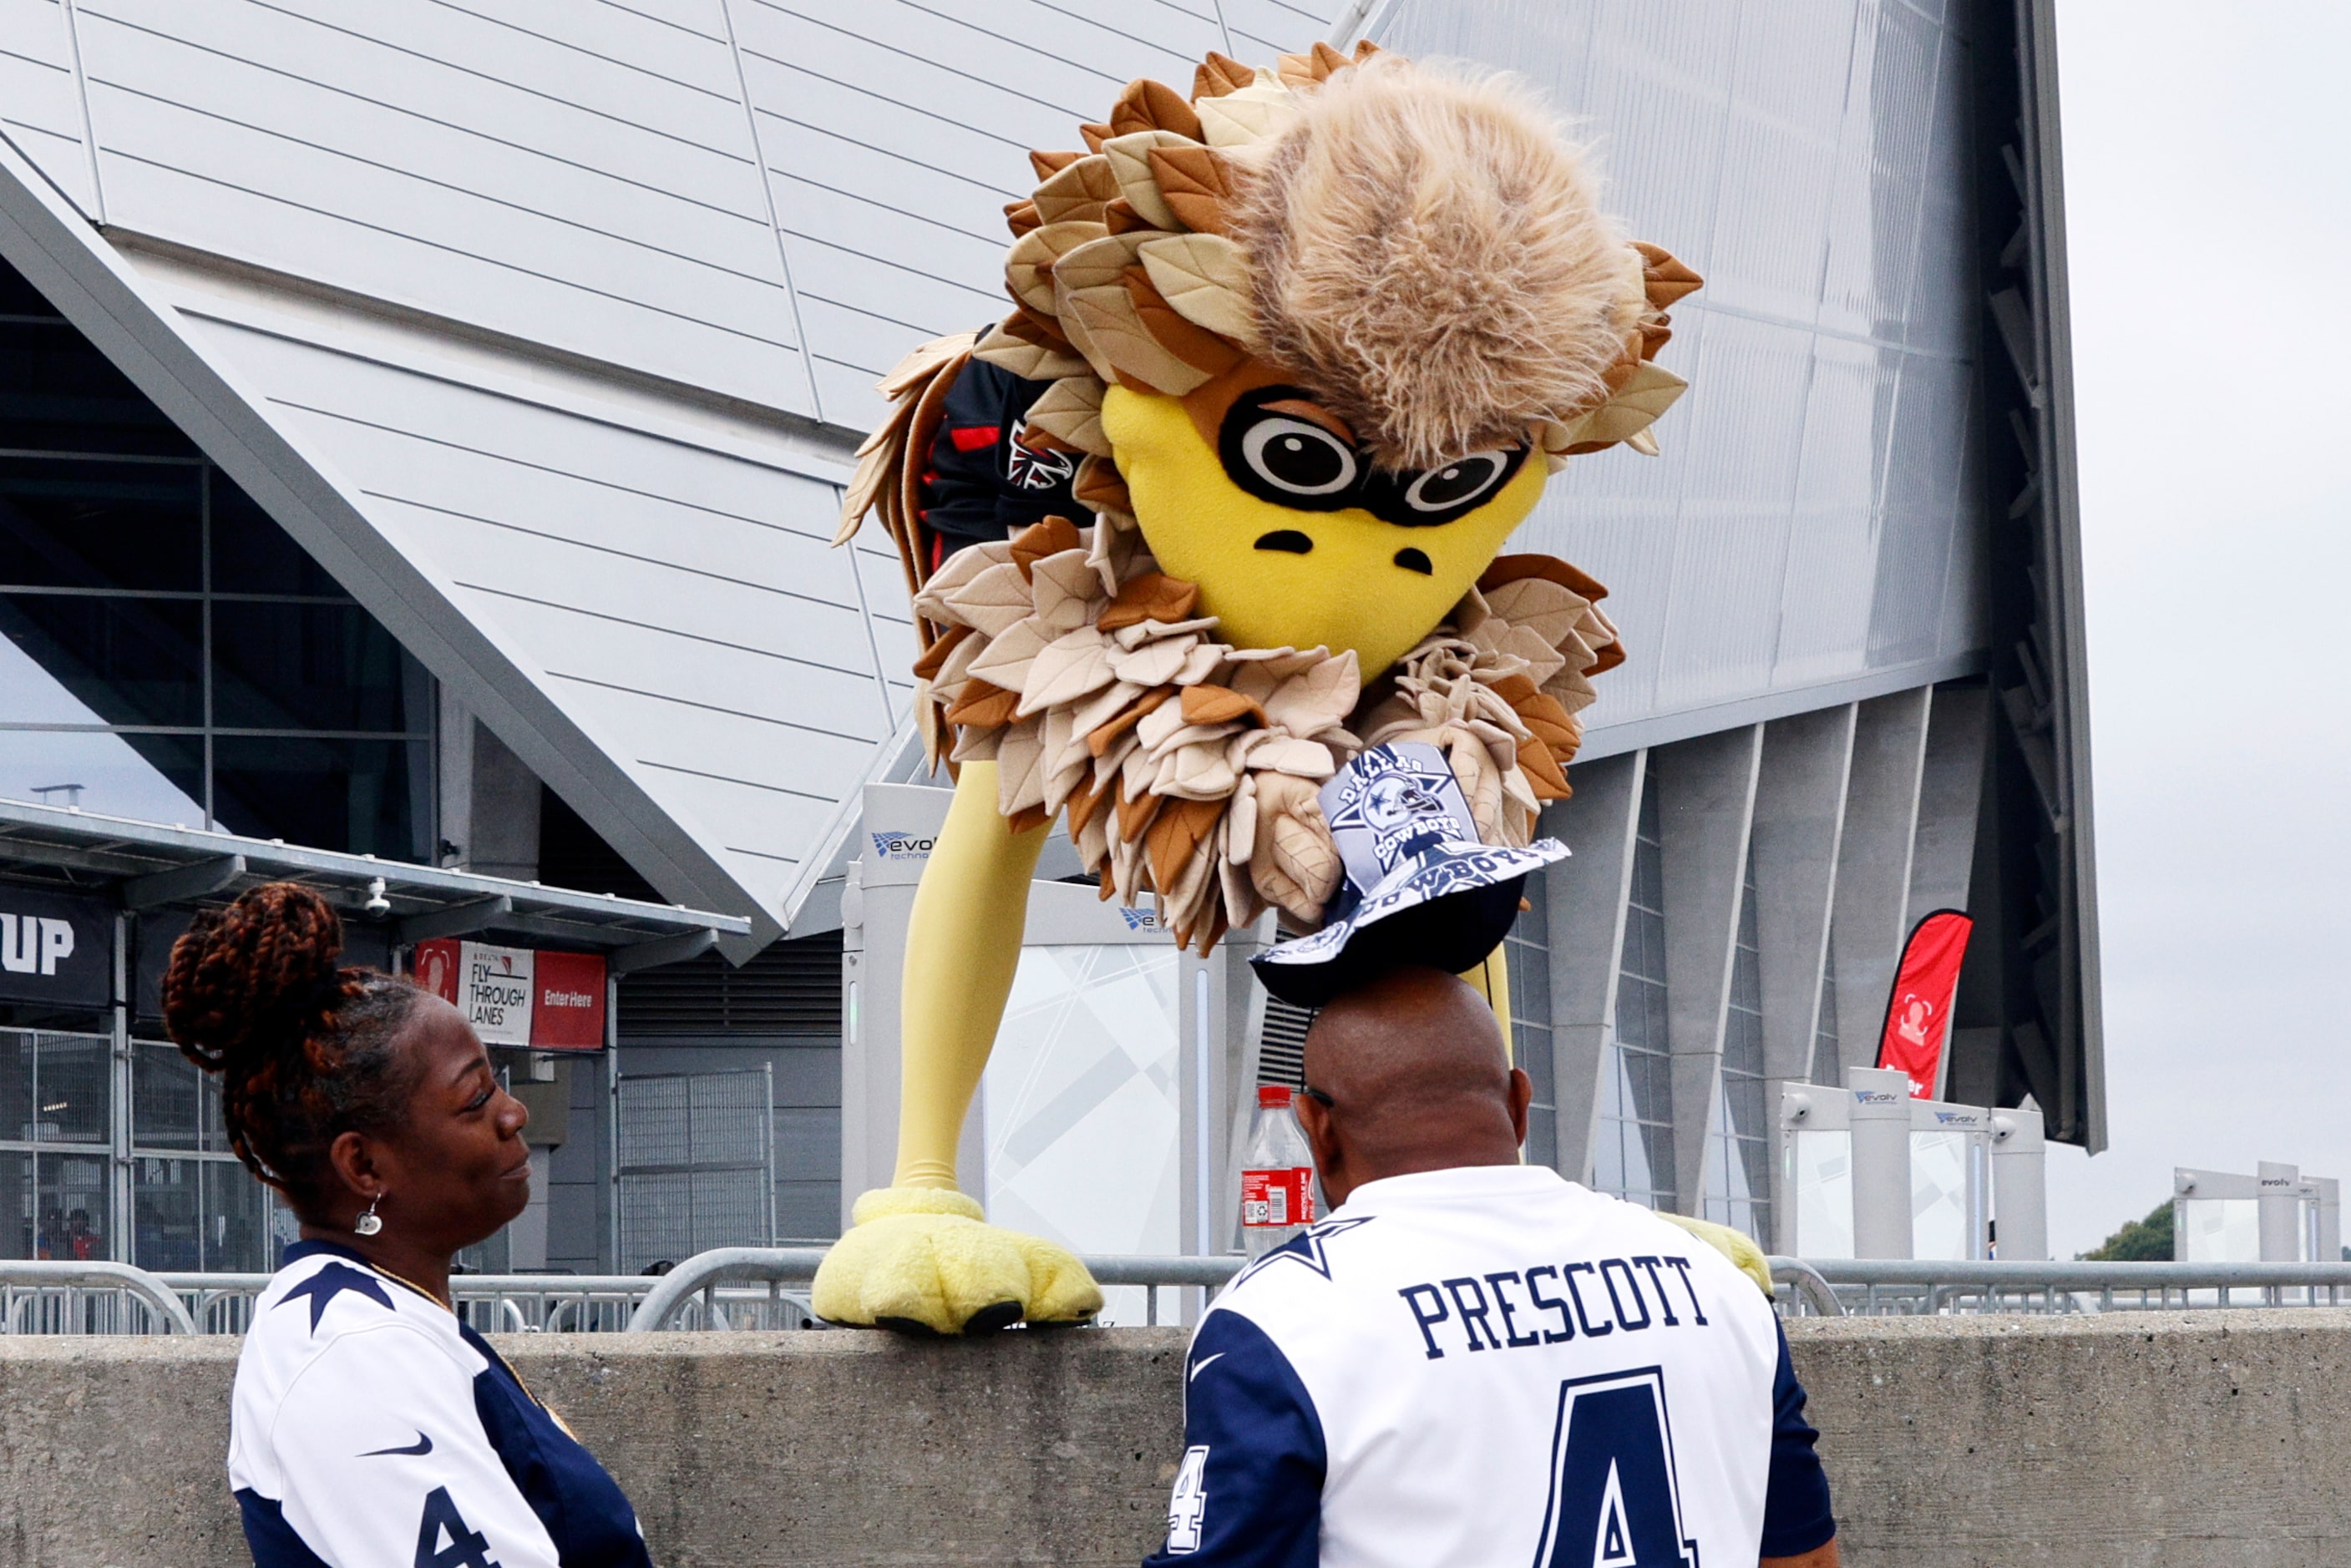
[
  {"x": 191, "y": 1215},
  {"x": 1739, "y": 1158},
  {"x": 83, "y": 403},
  {"x": 125, "y": 660},
  {"x": 252, "y": 555},
  {"x": 306, "y": 667},
  {"x": 1635, "y": 1159},
  {"x": 154, "y": 619},
  {"x": 154, "y": 778},
  {"x": 174, "y": 1104},
  {"x": 70, "y": 524},
  {"x": 358, "y": 796},
  {"x": 53, "y": 1206}
]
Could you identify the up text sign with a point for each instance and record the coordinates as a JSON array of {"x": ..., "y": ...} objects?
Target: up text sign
[{"x": 56, "y": 949}]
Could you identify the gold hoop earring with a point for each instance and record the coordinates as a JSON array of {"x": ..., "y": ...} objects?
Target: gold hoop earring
[{"x": 368, "y": 1223}]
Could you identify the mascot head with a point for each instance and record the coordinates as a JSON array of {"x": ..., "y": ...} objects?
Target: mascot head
[{"x": 1322, "y": 335}]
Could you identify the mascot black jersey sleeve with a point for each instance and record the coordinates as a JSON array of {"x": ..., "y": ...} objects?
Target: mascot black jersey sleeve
[
  {"x": 369, "y": 1428},
  {"x": 1491, "y": 1365}
]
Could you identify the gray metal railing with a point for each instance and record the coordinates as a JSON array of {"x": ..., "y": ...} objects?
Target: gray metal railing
[
  {"x": 43, "y": 1297},
  {"x": 695, "y": 1285},
  {"x": 764, "y": 1288},
  {"x": 1888, "y": 1287}
]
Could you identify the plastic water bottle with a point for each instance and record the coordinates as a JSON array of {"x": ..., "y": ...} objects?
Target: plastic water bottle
[{"x": 1277, "y": 1175}]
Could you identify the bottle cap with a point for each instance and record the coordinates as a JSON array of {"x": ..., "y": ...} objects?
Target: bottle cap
[{"x": 1273, "y": 1096}]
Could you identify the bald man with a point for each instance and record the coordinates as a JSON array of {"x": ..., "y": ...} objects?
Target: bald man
[{"x": 1473, "y": 1362}]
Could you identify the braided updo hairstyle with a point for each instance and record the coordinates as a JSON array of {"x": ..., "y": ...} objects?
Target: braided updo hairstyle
[{"x": 304, "y": 1048}]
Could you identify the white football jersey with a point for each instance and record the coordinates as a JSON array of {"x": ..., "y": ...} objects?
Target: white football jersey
[
  {"x": 371, "y": 1428},
  {"x": 1491, "y": 1366}
]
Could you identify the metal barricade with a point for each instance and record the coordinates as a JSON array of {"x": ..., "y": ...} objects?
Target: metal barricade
[
  {"x": 695, "y": 1288},
  {"x": 43, "y": 1297},
  {"x": 1879, "y": 1287}
]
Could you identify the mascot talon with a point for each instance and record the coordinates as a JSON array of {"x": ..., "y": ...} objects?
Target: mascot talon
[{"x": 922, "y": 1261}]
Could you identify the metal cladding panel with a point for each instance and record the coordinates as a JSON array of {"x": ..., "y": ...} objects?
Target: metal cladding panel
[
  {"x": 574, "y": 175},
  {"x": 1814, "y": 519},
  {"x": 680, "y": 602},
  {"x": 893, "y": 134},
  {"x": 40, "y": 102}
]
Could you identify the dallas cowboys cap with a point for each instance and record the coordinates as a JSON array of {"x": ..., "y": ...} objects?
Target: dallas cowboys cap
[{"x": 1419, "y": 887}]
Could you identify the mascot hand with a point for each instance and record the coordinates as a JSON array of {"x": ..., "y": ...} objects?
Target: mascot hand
[
  {"x": 922, "y": 1260},
  {"x": 1733, "y": 1245}
]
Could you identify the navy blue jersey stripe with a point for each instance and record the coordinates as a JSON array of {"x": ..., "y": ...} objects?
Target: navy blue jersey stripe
[{"x": 1797, "y": 1517}]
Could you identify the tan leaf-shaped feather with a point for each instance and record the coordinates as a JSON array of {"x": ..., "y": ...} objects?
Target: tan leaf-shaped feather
[
  {"x": 1079, "y": 191},
  {"x": 1029, "y": 361},
  {"x": 1020, "y": 217},
  {"x": 1297, "y": 71},
  {"x": 1253, "y": 113},
  {"x": 919, "y": 365},
  {"x": 1099, "y": 487},
  {"x": 1204, "y": 279},
  {"x": 1070, "y": 411},
  {"x": 1324, "y": 59},
  {"x": 1028, "y": 264},
  {"x": 1147, "y": 105},
  {"x": 1218, "y": 705},
  {"x": 997, "y": 600},
  {"x": 1006, "y": 660},
  {"x": 1066, "y": 588},
  {"x": 1665, "y": 279},
  {"x": 1151, "y": 596},
  {"x": 1048, "y": 164},
  {"x": 1294, "y": 865},
  {"x": 1316, "y": 698},
  {"x": 1542, "y": 607},
  {"x": 983, "y": 706},
  {"x": 874, "y": 472},
  {"x": 1195, "y": 344},
  {"x": 1648, "y": 390},
  {"x": 1020, "y": 762},
  {"x": 1218, "y": 74},
  {"x": 1289, "y": 754},
  {"x": 1119, "y": 343},
  {"x": 1130, "y": 164},
  {"x": 1195, "y": 183},
  {"x": 1097, "y": 264}
]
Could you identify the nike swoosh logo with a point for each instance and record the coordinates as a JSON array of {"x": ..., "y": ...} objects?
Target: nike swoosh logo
[
  {"x": 423, "y": 1445},
  {"x": 1202, "y": 1365}
]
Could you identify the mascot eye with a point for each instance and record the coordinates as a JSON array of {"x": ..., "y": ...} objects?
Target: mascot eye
[
  {"x": 1299, "y": 458},
  {"x": 1459, "y": 484}
]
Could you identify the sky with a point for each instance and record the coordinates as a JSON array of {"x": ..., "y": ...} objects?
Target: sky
[{"x": 2208, "y": 190}]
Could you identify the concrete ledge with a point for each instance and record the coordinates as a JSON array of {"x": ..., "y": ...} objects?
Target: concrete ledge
[{"x": 2190, "y": 1438}]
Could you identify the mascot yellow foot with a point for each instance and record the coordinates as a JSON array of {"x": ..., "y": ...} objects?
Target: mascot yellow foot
[{"x": 921, "y": 1260}]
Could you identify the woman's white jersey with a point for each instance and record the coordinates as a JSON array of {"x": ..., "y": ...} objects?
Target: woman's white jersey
[
  {"x": 1492, "y": 1367},
  {"x": 371, "y": 1428}
]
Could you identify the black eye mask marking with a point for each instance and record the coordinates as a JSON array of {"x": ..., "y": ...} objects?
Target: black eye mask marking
[
  {"x": 1295, "y": 462},
  {"x": 1290, "y": 541}
]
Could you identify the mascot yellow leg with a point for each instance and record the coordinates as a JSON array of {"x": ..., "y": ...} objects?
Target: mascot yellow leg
[{"x": 920, "y": 1254}]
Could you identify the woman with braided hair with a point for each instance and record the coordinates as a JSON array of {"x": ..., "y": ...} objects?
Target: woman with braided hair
[{"x": 371, "y": 1426}]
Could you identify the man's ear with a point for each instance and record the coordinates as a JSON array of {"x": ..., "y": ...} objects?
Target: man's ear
[
  {"x": 1522, "y": 1095},
  {"x": 1314, "y": 1120}
]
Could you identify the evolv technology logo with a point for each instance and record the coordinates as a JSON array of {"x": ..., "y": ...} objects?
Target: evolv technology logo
[
  {"x": 1140, "y": 920},
  {"x": 902, "y": 846}
]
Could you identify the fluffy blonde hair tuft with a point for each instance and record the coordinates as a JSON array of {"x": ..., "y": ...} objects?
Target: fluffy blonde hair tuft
[{"x": 1429, "y": 252}]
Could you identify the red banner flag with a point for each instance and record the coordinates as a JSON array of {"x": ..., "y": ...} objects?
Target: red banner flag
[{"x": 1918, "y": 1010}]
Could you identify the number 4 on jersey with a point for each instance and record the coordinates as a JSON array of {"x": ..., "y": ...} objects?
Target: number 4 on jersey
[
  {"x": 1614, "y": 1500},
  {"x": 467, "y": 1547}
]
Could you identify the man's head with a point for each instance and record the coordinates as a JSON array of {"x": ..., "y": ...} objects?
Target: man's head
[{"x": 1408, "y": 1074}]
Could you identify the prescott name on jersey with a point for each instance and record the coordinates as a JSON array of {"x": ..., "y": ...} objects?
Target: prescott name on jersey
[
  {"x": 1492, "y": 1366},
  {"x": 371, "y": 1428}
]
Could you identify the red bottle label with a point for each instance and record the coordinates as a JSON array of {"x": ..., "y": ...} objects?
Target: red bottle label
[{"x": 1277, "y": 1198}]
